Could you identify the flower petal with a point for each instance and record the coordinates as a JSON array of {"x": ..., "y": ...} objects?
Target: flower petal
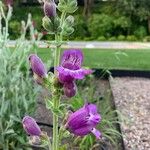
[
  {"x": 93, "y": 120},
  {"x": 72, "y": 59},
  {"x": 77, "y": 119},
  {"x": 64, "y": 75},
  {"x": 92, "y": 108},
  {"x": 67, "y": 75},
  {"x": 83, "y": 131},
  {"x": 96, "y": 132}
]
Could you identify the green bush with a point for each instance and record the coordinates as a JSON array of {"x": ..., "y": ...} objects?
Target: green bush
[
  {"x": 100, "y": 25},
  {"x": 121, "y": 38},
  {"x": 101, "y": 38},
  {"x": 140, "y": 32},
  {"x": 17, "y": 94},
  {"x": 80, "y": 27},
  {"x": 131, "y": 38},
  {"x": 122, "y": 22},
  {"x": 113, "y": 38},
  {"x": 146, "y": 39},
  {"x": 14, "y": 29}
]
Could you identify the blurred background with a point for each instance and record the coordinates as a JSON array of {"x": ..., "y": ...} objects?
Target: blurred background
[{"x": 100, "y": 20}]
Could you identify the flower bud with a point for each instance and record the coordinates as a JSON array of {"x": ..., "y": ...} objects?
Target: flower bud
[
  {"x": 30, "y": 126},
  {"x": 69, "y": 89},
  {"x": 50, "y": 9},
  {"x": 37, "y": 66}
]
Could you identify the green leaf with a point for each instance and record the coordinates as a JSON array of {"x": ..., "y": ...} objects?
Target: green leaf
[
  {"x": 69, "y": 21},
  {"x": 48, "y": 25},
  {"x": 69, "y": 6},
  {"x": 10, "y": 131},
  {"x": 49, "y": 104}
]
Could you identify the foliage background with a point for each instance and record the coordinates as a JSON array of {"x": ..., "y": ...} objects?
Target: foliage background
[{"x": 111, "y": 20}]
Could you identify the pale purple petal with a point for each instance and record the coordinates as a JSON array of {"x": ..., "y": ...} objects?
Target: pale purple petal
[
  {"x": 94, "y": 119},
  {"x": 67, "y": 75},
  {"x": 96, "y": 133},
  {"x": 72, "y": 59},
  {"x": 30, "y": 126},
  {"x": 37, "y": 65},
  {"x": 92, "y": 108},
  {"x": 64, "y": 75}
]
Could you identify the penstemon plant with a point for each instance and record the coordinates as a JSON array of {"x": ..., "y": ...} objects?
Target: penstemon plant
[{"x": 61, "y": 82}]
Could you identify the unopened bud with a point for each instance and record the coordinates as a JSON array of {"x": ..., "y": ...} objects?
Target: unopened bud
[
  {"x": 30, "y": 126},
  {"x": 50, "y": 9}
]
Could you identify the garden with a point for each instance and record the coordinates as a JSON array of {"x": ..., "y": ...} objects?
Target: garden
[{"x": 74, "y": 75}]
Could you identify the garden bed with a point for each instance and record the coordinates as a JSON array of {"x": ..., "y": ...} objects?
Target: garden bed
[{"x": 101, "y": 95}]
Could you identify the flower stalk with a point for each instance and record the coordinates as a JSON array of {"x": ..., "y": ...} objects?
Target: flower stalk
[
  {"x": 62, "y": 82},
  {"x": 56, "y": 100}
]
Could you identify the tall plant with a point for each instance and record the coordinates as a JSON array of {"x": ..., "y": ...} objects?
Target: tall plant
[{"x": 61, "y": 82}]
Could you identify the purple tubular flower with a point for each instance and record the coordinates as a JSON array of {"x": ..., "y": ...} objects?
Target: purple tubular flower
[
  {"x": 37, "y": 66},
  {"x": 50, "y": 9},
  {"x": 70, "y": 68},
  {"x": 69, "y": 89},
  {"x": 84, "y": 121},
  {"x": 30, "y": 126}
]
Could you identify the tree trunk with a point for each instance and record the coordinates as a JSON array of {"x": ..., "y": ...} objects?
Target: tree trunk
[
  {"x": 87, "y": 8},
  {"x": 149, "y": 25}
]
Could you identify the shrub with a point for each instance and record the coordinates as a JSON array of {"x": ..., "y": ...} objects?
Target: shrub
[
  {"x": 146, "y": 39},
  {"x": 100, "y": 25},
  {"x": 113, "y": 38},
  {"x": 122, "y": 22},
  {"x": 121, "y": 38},
  {"x": 140, "y": 32},
  {"x": 80, "y": 27},
  {"x": 17, "y": 94},
  {"x": 101, "y": 38},
  {"x": 131, "y": 38}
]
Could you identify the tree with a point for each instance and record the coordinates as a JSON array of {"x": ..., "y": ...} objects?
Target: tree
[
  {"x": 87, "y": 7},
  {"x": 136, "y": 8},
  {"x": 143, "y": 11}
]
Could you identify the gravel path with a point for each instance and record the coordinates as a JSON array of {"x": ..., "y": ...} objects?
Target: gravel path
[{"x": 132, "y": 98}]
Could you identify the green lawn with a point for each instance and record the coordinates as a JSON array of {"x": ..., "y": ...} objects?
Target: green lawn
[{"x": 110, "y": 58}]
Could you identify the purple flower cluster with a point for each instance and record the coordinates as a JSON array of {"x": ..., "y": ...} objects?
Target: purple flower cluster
[
  {"x": 70, "y": 70},
  {"x": 84, "y": 121}
]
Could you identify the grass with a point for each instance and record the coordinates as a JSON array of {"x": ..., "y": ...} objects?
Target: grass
[{"x": 110, "y": 58}]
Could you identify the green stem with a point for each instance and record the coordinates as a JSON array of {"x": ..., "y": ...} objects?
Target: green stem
[
  {"x": 55, "y": 102},
  {"x": 56, "y": 96},
  {"x": 63, "y": 16}
]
